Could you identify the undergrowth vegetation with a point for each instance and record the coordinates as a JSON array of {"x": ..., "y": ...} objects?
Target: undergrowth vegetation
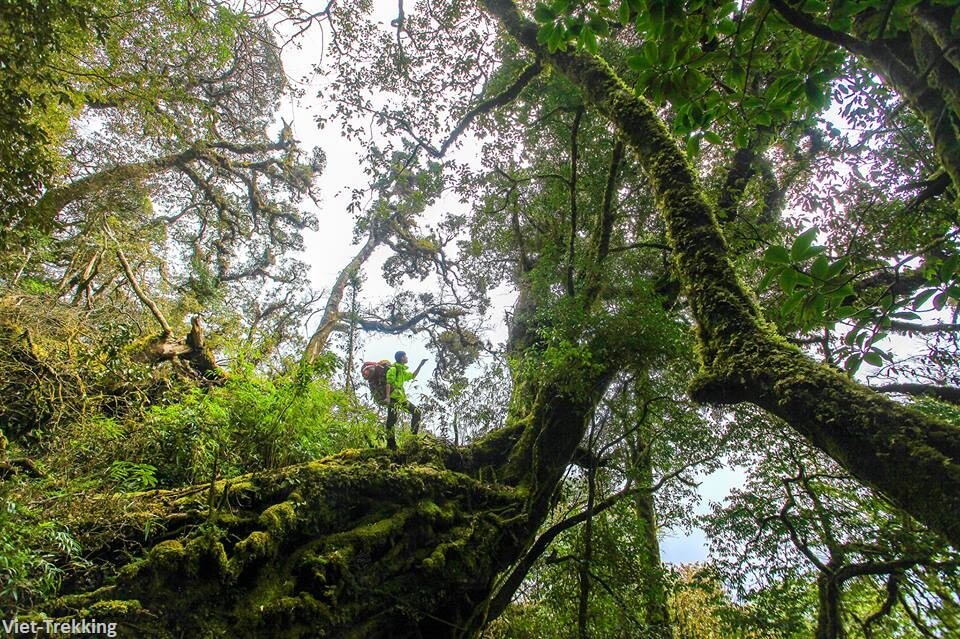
[{"x": 86, "y": 414}]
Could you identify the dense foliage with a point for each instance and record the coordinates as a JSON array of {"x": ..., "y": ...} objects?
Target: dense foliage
[{"x": 727, "y": 228}]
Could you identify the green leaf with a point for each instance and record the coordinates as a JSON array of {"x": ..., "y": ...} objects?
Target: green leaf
[
  {"x": 922, "y": 298},
  {"x": 545, "y": 33},
  {"x": 940, "y": 301},
  {"x": 727, "y": 27},
  {"x": 820, "y": 268},
  {"x": 740, "y": 139},
  {"x": 767, "y": 278},
  {"x": 804, "y": 280},
  {"x": 776, "y": 255},
  {"x": 948, "y": 268},
  {"x": 791, "y": 303},
  {"x": 589, "y": 39},
  {"x": 599, "y": 25},
  {"x": 814, "y": 93},
  {"x": 873, "y": 358},
  {"x": 906, "y": 315},
  {"x": 543, "y": 13},
  {"x": 837, "y": 267},
  {"x": 843, "y": 312},
  {"x": 801, "y": 246},
  {"x": 738, "y": 76},
  {"x": 842, "y": 293},
  {"x": 852, "y": 365},
  {"x": 650, "y": 52},
  {"x": 849, "y": 338},
  {"x": 794, "y": 60},
  {"x": 712, "y": 137},
  {"x": 788, "y": 280},
  {"x": 811, "y": 314}
]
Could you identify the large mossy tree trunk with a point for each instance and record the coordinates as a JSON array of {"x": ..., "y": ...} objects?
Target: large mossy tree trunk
[
  {"x": 912, "y": 458},
  {"x": 370, "y": 543}
]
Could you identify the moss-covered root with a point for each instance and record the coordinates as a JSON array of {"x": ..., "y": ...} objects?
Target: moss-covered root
[{"x": 351, "y": 546}]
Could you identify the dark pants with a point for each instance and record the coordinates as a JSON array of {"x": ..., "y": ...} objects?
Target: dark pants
[{"x": 392, "y": 409}]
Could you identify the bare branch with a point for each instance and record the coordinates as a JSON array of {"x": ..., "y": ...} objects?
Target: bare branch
[
  {"x": 949, "y": 394},
  {"x": 141, "y": 295}
]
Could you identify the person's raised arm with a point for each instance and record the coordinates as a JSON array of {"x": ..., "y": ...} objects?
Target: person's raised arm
[{"x": 422, "y": 362}]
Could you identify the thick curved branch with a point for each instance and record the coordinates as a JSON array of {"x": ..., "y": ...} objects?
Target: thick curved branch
[
  {"x": 923, "y": 329},
  {"x": 898, "y": 283},
  {"x": 141, "y": 295},
  {"x": 807, "y": 24},
  {"x": 55, "y": 199}
]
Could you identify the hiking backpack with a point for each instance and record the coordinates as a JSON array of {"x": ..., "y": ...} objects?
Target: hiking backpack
[{"x": 376, "y": 375}]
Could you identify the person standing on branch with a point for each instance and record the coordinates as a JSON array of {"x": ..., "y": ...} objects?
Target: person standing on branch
[{"x": 397, "y": 400}]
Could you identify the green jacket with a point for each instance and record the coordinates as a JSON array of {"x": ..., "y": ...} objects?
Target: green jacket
[{"x": 397, "y": 375}]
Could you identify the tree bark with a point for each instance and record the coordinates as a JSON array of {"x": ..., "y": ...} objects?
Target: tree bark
[
  {"x": 829, "y": 623},
  {"x": 331, "y": 312},
  {"x": 653, "y": 586}
]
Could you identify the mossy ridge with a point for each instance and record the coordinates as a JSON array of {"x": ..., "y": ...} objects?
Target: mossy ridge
[{"x": 315, "y": 548}]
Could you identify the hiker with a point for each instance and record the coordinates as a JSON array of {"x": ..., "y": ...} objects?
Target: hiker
[{"x": 397, "y": 400}]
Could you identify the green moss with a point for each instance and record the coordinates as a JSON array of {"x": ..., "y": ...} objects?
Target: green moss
[
  {"x": 321, "y": 546},
  {"x": 279, "y": 519},
  {"x": 256, "y": 545},
  {"x": 205, "y": 554},
  {"x": 433, "y": 512},
  {"x": 168, "y": 555},
  {"x": 115, "y": 608},
  {"x": 445, "y": 552}
]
